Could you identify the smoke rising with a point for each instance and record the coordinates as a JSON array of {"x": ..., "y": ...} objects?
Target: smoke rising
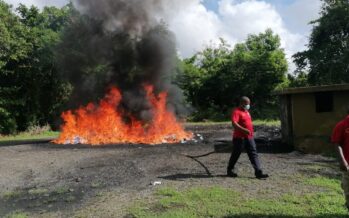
[
  {"x": 119, "y": 43},
  {"x": 131, "y": 16}
]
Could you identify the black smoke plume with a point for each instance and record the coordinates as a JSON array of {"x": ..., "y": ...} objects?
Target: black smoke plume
[{"x": 119, "y": 43}]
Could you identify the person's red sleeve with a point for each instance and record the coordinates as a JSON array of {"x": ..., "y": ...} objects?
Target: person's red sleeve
[
  {"x": 235, "y": 116},
  {"x": 337, "y": 134}
]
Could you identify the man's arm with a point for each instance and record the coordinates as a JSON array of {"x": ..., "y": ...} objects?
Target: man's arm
[
  {"x": 344, "y": 163},
  {"x": 239, "y": 127},
  {"x": 337, "y": 139}
]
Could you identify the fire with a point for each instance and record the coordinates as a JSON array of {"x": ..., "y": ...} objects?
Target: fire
[{"x": 105, "y": 124}]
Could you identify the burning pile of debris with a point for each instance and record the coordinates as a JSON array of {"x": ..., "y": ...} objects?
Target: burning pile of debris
[
  {"x": 104, "y": 123},
  {"x": 122, "y": 48}
]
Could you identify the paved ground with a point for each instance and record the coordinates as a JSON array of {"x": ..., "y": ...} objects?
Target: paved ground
[{"x": 64, "y": 180}]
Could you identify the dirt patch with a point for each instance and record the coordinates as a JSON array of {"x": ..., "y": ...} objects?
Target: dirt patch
[{"x": 58, "y": 179}]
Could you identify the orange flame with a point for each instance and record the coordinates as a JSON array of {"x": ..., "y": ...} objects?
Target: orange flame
[{"x": 104, "y": 124}]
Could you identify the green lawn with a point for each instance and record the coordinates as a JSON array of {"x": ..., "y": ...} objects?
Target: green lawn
[
  {"x": 28, "y": 136},
  {"x": 208, "y": 123},
  {"x": 17, "y": 215},
  {"x": 267, "y": 122},
  {"x": 255, "y": 122},
  {"x": 221, "y": 202}
]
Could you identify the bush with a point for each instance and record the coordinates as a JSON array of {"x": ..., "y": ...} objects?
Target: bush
[
  {"x": 7, "y": 123},
  {"x": 37, "y": 129},
  {"x": 212, "y": 113}
]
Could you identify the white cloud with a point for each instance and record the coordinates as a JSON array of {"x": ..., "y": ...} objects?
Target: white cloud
[
  {"x": 249, "y": 17},
  {"x": 253, "y": 17},
  {"x": 298, "y": 15},
  {"x": 195, "y": 26},
  {"x": 38, "y": 3}
]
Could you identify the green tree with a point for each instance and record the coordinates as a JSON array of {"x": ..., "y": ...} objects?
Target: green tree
[
  {"x": 263, "y": 66},
  {"x": 42, "y": 88},
  {"x": 30, "y": 89},
  {"x": 326, "y": 59},
  {"x": 13, "y": 48},
  {"x": 299, "y": 80},
  {"x": 215, "y": 78},
  {"x": 203, "y": 81}
]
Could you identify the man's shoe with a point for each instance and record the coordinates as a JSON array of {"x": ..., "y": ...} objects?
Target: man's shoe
[
  {"x": 260, "y": 175},
  {"x": 231, "y": 173}
]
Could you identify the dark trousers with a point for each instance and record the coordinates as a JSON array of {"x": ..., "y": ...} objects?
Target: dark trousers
[{"x": 250, "y": 146}]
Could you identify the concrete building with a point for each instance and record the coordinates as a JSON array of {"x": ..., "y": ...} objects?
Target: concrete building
[{"x": 309, "y": 114}]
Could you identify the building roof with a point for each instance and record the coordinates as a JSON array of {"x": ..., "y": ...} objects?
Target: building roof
[{"x": 313, "y": 89}]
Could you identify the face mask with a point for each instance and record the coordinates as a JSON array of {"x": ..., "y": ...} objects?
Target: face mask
[{"x": 247, "y": 107}]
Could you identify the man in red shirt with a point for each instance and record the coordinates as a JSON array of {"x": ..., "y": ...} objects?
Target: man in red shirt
[
  {"x": 243, "y": 137},
  {"x": 340, "y": 137}
]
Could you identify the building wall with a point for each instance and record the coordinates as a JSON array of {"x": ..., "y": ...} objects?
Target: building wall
[
  {"x": 286, "y": 119},
  {"x": 312, "y": 130}
]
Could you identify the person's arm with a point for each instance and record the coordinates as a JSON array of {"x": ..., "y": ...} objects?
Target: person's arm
[
  {"x": 344, "y": 163},
  {"x": 337, "y": 139},
  {"x": 239, "y": 127}
]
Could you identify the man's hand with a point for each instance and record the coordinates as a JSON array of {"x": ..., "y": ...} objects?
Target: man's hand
[
  {"x": 247, "y": 132},
  {"x": 344, "y": 167},
  {"x": 344, "y": 164},
  {"x": 242, "y": 129}
]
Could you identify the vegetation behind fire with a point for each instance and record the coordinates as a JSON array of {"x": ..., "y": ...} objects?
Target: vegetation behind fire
[
  {"x": 32, "y": 93},
  {"x": 214, "y": 79}
]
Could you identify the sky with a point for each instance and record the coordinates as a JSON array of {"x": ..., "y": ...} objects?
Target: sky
[{"x": 200, "y": 23}]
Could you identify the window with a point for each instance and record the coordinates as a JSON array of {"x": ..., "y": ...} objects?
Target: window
[{"x": 324, "y": 102}]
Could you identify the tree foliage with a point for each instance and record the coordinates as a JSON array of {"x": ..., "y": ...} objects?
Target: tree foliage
[
  {"x": 299, "y": 80},
  {"x": 215, "y": 78},
  {"x": 326, "y": 59},
  {"x": 30, "y": 90}
]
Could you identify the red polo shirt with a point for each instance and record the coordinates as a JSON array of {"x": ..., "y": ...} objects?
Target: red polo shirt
[
  {"x": 243, "y": 118},
  {"x": 340, "y": 136}
]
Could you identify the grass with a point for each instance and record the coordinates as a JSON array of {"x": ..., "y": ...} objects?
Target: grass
[
  {"x": 96, "y": 185},
  {"x": 222, "y": 202},
  {"x": 267, "y": 122},
  {"x": 61, "y": 190},
  {"x": 12, "y": 194},
  {"x": 29, "y": 136},
  {"x": 330, "y": 184},
  {"x": 255, "y": 122},
  {"x": 17, "y": 215},
  {"x": 38, "y": 191},
  {"x": 208, "y": 123}
]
